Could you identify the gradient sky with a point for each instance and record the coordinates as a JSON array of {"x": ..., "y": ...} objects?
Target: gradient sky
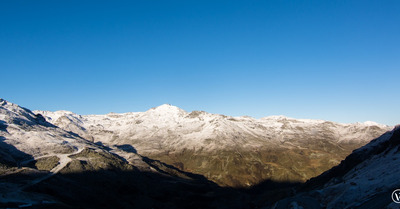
[{"x": 331, "y": 60}]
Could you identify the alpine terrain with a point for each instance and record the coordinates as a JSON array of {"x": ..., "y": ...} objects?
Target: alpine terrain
[
  {"x": 169, "y": 158},
  {"x": 44, "y": 166},
  {"x": 231, "y": 151}
]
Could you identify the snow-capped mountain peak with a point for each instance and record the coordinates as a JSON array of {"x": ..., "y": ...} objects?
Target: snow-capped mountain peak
[
  {"x": 32, "y": 134},
  {"x": 14, "y": 114},
  {"x": 276, "y": 117},
  {"x": 371, "y": 123},
  {"x": 166, "y": 109}
]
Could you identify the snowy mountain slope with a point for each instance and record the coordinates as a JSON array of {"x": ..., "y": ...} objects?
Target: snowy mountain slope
[
  {"x": 34, "y": 152},
  {"x": 233, "y": 151},
  {"x": 365, "y": 179},
  {"x": 31, "y": 134},
  {"x": 183, "y": 130}
]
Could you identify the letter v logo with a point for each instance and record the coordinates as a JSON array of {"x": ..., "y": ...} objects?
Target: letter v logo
[{"x": 396, "y": 196}]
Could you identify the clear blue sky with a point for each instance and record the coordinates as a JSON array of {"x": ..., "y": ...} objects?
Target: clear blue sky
[{"x": 332, "y": 60}]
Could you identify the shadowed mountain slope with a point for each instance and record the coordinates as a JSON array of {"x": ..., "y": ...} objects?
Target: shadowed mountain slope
[{"x": 365, "y": 179}]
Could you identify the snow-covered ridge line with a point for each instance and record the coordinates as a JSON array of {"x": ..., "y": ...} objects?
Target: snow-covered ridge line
[
  {"x": 177, "y": 129},
  {"x": 167, "y": 109}
]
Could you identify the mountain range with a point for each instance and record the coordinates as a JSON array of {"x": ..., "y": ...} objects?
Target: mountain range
[
  {"x": 169, "y": 158},
  {"x": 231, "y": 151}
]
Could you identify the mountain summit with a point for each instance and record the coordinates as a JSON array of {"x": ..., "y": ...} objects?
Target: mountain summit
[{"x": 167, "y": 108}]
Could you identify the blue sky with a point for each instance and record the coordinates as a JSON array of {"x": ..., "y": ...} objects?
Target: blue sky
[{"x": 332, "y": 60}]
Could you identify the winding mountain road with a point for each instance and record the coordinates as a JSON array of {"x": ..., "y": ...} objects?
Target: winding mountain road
[{"x": 64, "y": 160}]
